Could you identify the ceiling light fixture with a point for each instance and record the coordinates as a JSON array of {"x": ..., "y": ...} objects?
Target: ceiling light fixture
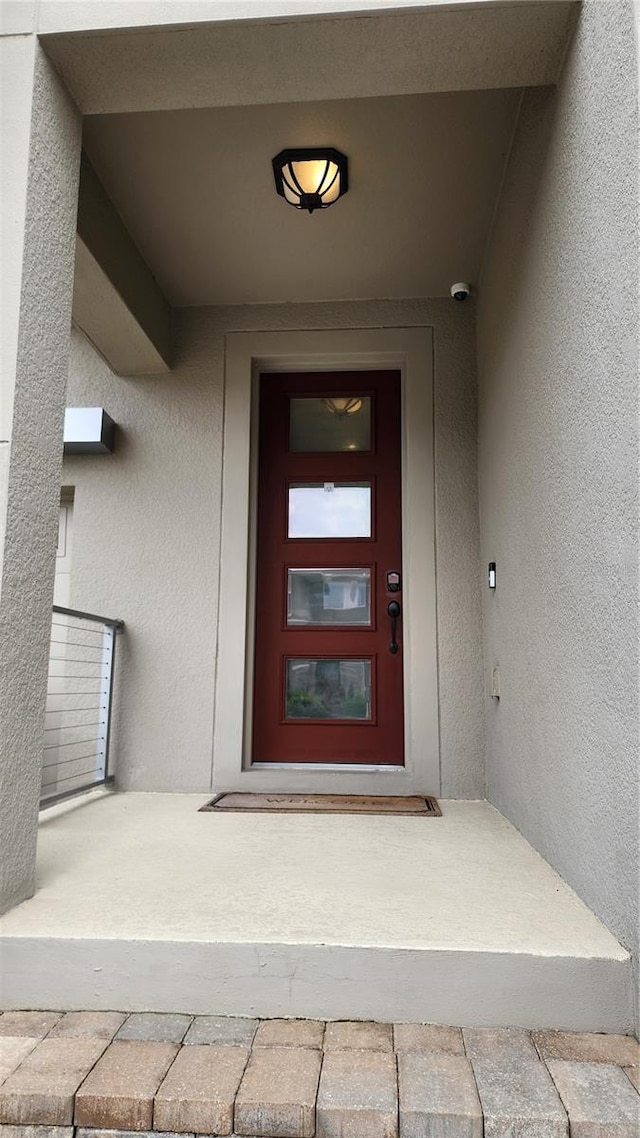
[
  {"x": 343, "y": 404},
  {"x": 312, "y": 177}
]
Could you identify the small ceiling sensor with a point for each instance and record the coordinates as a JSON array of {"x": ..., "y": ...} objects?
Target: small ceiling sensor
[{"x": 460, "y": 291}]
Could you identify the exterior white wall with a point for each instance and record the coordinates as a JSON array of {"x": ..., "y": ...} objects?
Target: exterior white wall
[
  {"x": 558, "y": 440},
  {"x": 41, "y": 155},
  {"x": 147, "y": 530}
]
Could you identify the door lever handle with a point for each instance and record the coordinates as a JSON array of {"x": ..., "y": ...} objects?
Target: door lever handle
[{"x": 393, "y": 609}]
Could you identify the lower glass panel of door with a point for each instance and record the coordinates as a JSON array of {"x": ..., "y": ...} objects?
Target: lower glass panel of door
[{"x": 328, "y": 689}]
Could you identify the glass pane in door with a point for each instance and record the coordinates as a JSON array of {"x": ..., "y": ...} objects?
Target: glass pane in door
[
  {"x": 329, "y": 509},
  {"x": 328, "y": 596},
  {"x": 328, "y": 689},
  {"x": 336, "y": 423}
]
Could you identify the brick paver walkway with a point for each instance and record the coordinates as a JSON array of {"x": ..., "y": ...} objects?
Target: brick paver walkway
[{"x": 107, "y": 1074}]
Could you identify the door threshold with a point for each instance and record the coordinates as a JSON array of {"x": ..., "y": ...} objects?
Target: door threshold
[{"x": 350, "y": 767}]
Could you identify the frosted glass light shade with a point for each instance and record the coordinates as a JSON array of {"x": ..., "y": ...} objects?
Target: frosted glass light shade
[
  {"x": 311, "y": 178},
  {"x": 344, "y": 404},
  {"x": 88, "y": 430}
]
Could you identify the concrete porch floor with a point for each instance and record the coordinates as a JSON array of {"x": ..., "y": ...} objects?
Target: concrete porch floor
[{"x": 145, "y": 904}]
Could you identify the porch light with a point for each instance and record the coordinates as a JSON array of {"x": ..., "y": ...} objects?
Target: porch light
[
  {"x": 311, "y": 178},
  {"x": 88, "y": 430},
  {"x": 343, "y": 404}
]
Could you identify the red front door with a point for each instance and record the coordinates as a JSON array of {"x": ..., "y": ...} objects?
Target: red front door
[{"x": 328, "y": 663}]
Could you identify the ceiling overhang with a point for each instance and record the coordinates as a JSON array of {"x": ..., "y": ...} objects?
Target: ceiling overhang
[
  {"x": 286, "y": 52},
  {"x": 116, "y": 301},
  {"x": 439, "y": 47}
]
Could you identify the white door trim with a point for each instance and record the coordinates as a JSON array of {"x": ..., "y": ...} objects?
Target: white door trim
[{"x": 247, "y": 354}]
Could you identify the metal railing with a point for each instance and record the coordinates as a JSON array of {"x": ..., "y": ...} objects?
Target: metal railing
[{"x": 79, "y": 703}]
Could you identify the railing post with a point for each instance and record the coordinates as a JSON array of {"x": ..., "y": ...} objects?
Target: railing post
[
  {"x": 106, "y": 687},
  {"x": 111, "y": 635}
]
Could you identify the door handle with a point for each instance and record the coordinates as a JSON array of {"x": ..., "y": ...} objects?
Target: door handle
[{"x": 393, "y": 609}]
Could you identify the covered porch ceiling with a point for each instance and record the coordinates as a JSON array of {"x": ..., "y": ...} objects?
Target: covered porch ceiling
[
  {"x": 181, "y": 124},
  {"x": 195, "y": 190}
]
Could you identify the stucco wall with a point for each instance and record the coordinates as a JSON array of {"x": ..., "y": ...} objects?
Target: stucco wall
[
  {"x": 147, "y": 522},
  {"x": 558, "y": 443},
  {"x": 41, "y": 154}
]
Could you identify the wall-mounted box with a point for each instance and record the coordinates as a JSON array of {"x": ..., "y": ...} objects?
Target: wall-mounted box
[{"x": 88, "y": 430}]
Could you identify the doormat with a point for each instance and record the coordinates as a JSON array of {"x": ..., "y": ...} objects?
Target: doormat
[{"x": 418, "y": 805}]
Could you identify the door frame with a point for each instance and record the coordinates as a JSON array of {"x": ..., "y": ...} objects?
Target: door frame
[{"x": 247, "y": 356}]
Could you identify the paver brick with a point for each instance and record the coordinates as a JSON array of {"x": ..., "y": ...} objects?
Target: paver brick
[
  {"x": 12, "y": 1051},
  {"x": 427, "y": 1037},
  {"x": 155, "y": 1027},
  {"x": 34, "y": 1024},
  {"x": 634, "y": 1075},
  {"x": 519, "y": 1098},
  {"x": 88, "y": 1025},
  {"x": 586, "y": 1047},
  {"x": 289, "y": 1033},
  {"x": 40, "y": 1092},
  {"x": 438, "y": 1097},
  {"x": 358, "y": 1095},
  {"x": 119, "y": 1092},
  {"x": 600, "y": 1100},
  {"x": 198, "y": 1093},
  {"x": 86, "y": 1132},
  {"x": 498, "y": 1042},
  {"x": 277, "y": 1094},
  {"x": 230, "y": 1030},
  {"x": 36, "y": 1131},
  {"x": 348, "y": 1035}
]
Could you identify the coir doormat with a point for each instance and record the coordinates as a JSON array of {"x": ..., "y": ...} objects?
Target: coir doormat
[{"x": 414, "y": 805}]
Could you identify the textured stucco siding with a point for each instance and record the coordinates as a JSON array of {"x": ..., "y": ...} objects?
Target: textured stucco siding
[
  {"x": 40, "y": 178},
  {"x": 558, "y": 443},
  {"x": 147, "y": 526}
]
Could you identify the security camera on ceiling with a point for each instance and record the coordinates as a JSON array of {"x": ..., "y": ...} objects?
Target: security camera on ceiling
[{"x": 460, "y": 291}]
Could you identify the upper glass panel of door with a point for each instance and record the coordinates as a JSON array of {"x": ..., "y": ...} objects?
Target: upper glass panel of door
[
  {"x": 329, "y": 509},
  {"x": 334, "y": 423}
]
